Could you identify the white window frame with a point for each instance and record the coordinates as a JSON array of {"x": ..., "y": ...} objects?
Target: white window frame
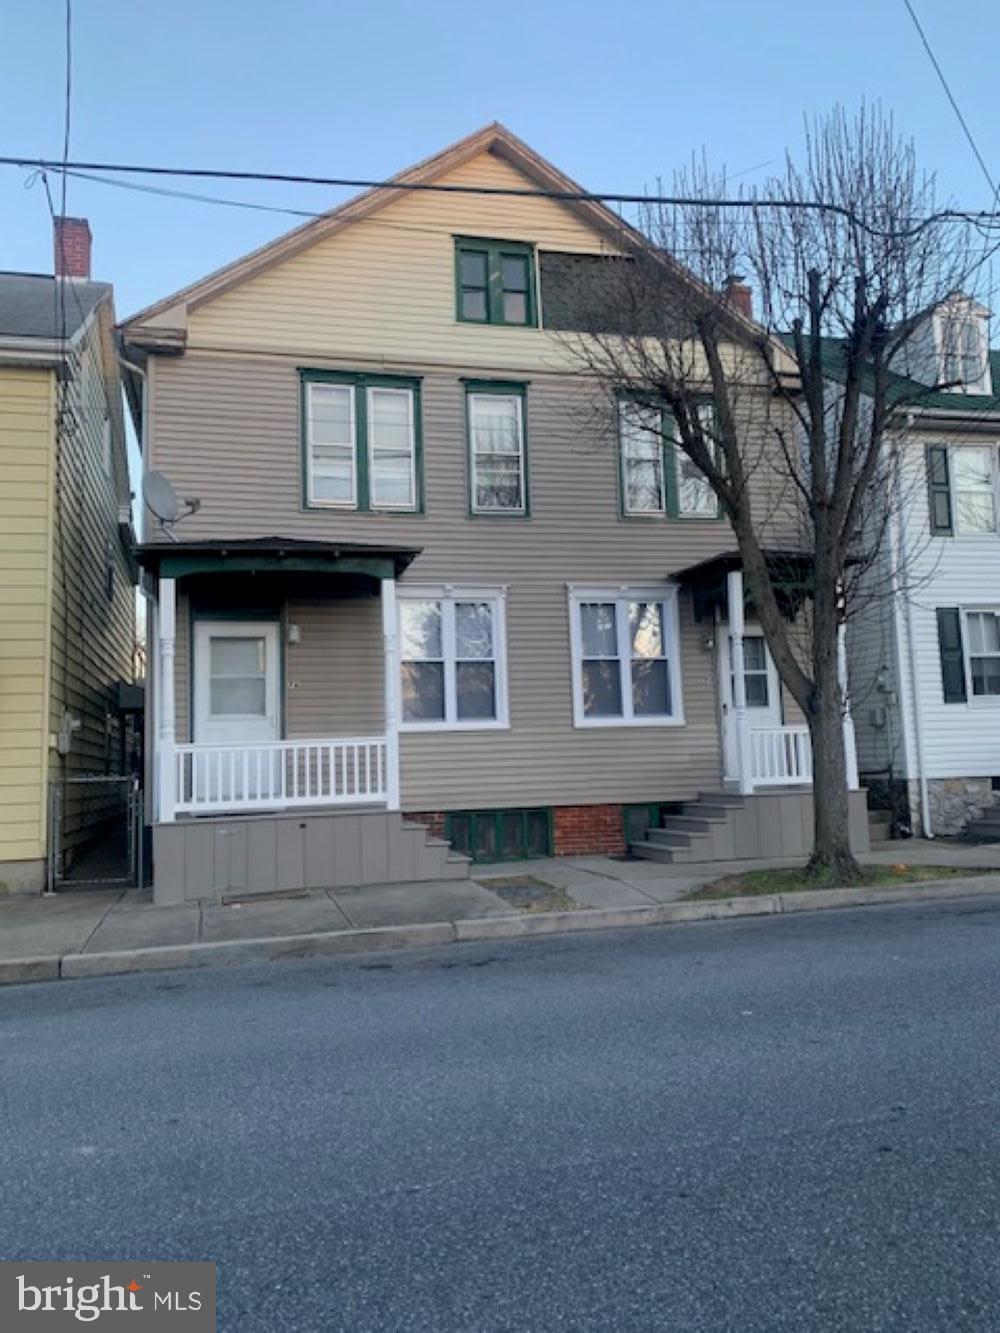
[
  {"x": 976, "y": 700},
  {"x": 956, "y": 319},
  {"x": 311, "y": 498},
  {"x": 411, "y": 397},
  {"x": 471, "y": 394},
  {"x": 448, "y": 595},
  {"x": 621, "y": 595},
  {"x": 626, "y": 407},
  {"x": 953, "y": 450}
]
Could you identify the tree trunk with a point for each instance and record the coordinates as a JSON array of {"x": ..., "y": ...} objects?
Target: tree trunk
[{"x": 832, "y": 857}]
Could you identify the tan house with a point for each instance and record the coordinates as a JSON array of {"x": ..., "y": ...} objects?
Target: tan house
[
  {"x": 67, "y": 598},
  {"x": 421, "y": 607}
]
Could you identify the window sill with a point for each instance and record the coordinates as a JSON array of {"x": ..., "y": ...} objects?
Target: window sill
[
  {"x": 416, "y": 728},
  {"x": 603, "y": 723},
  {"x": 369, "y": 513}
]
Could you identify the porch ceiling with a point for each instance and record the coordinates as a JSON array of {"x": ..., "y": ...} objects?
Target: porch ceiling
[
  {"x": 792, "y": 572},
  {"x": 273, "y": 555}
]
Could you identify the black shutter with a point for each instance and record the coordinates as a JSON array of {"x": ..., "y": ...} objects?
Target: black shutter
[
  {"x": 939, "y": 490},
  {"x": 952, "y": 658}
]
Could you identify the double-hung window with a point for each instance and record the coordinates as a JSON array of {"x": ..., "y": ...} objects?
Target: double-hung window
[
  {"x": 452, "y": 658},
  {"x": 657, "y": 477},
  {"x": 495, "y": 282},
  {"x": 625, "y": 657},
  {"x": 983, "y": 629},
  {"x": 361, "y": 437},
  {"x": 973, "y": 477},
  {"x": 498, "y": 474}
]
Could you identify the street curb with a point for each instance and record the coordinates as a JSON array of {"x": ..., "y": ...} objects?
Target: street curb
[{"x": 76, "y": 966}]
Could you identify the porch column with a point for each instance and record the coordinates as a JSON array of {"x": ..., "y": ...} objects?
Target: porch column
[
  {"x": 741, "y": 727},
  {"x": 850, "y": 748},
  {"x": 390, "y": 642},
  {"x": 165, "y": 739}
]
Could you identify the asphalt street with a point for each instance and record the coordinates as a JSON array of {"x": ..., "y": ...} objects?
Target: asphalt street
[{"x": 770, "y": 1124}]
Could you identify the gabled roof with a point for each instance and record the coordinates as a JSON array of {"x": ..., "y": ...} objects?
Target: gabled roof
[
  {"x": 910, "y": 394},
  {"x": 31, "y": 305},
  {"x": 494, "y": 138}
]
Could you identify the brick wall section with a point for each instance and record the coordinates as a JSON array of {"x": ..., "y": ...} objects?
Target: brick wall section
[
  {"x": 588, "y": 830},
  {"x": 434, "y": 820}
]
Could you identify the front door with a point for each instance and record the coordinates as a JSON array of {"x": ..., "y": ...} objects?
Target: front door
[
  {"x": 762, "y": 690},
  {"x": 236, "y": 682},
  {"x": 236, "y": 703}
]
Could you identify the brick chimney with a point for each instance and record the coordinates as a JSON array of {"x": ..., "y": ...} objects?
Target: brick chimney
[
  {"x": 739, "y": 295},
  {"x": 72, "y": 248}
]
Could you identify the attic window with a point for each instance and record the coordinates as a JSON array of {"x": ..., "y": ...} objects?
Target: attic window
[
  {"x": 962, "y": 347},
  {"x": 495, "y": 282}
]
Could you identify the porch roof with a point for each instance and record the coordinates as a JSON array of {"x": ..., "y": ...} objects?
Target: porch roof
[
  {"x": 792, "y": 572},
  {"x": 228, "y": 555}
]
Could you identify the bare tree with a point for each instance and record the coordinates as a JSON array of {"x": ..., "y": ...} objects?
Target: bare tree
[{"x": 802, "y": 445}]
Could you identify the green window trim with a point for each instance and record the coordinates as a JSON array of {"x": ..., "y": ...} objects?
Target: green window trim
[
  {"x": 361, "y": 382},
  {"x": 506, "y": 389},
  {"x": 669, "y": 465},
  {"x": 486, "y": 835},
  {"x": 490, "y": 255}
]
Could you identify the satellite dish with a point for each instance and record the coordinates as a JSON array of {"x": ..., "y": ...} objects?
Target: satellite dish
[
  {"x": 162, "y": 500},
  {"x": 160, "y": 497}
]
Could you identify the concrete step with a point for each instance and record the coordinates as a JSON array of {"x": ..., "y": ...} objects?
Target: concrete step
[
  {"x": 665, "y": 838},
  {"x": 653, "y": 851},
  {"x": 686, "y": 824},
  {"x": 705, "y": 810}
]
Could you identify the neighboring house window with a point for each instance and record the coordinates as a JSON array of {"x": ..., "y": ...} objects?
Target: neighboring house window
[
  {"x": 497, "y": 453},
  {"x": 453, "y": 658},
  {"x": 962, "y": 338},
  {"x": 984, "y": 651},
  {"x": 975, "y": 503},
  {"x": 962, "y": 484},
  {"x": 625, "y": 657},
  {"x": 361, "y": 441},
  {"x": 657, "y": 477},
  {"x": 969, "y": 645},
  {"x": 495, "y": 282},
  {"x": 106, "y": 447}
]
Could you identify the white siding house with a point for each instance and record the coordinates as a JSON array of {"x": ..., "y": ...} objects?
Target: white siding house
[{"x": 925, "y": 658}]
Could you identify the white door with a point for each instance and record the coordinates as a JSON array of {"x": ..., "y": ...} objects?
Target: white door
[
  {"x": 236, "y": 703},
  {"x": 763, "y": 693}
]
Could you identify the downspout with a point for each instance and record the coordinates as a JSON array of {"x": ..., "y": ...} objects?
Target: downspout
[{"x": 911, "y": 642}]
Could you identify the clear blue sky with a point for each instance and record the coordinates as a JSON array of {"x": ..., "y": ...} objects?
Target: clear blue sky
[{"x": 615, "y": 95}]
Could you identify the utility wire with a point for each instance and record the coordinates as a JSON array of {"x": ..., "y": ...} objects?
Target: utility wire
[
  {"x": 952, "y": 99},
  {"x": 751, "y": 202}
]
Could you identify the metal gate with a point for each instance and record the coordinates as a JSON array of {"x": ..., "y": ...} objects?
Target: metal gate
[{"x": 95, "y": 831}]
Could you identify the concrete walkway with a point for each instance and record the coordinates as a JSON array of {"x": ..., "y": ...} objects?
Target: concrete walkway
[{"x": 51, "y": 936}]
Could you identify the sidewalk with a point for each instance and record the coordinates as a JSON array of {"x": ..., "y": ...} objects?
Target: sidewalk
[{"x": 96, "y": 933}]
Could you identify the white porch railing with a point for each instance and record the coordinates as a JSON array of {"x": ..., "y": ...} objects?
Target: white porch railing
[
  {"x": 780, "y": 756},
  {"x": 227, "y": 779}
]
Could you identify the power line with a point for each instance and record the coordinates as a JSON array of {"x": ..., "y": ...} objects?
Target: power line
[
  {"x": 952, "y": 99},
  {"x": 752, "y": 202}
]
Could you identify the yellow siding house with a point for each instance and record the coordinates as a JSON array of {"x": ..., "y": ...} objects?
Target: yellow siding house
[{"x": 67, "y": 605}]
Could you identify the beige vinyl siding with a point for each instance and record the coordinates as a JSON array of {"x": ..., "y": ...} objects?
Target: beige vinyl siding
[
  {"x": 92, "y": 634},
  {"x": 27, "y": 415},
  {"x": 386, "y": 285},
  {"x": 227, "y": 432}
]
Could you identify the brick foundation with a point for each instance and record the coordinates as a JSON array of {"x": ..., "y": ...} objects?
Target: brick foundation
[
  {"x": 588, "y": 830},
  {"x": 433, "y": 819}
]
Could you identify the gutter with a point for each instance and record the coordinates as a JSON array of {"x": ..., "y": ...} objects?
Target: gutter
[{"x": 911, "y": 641}]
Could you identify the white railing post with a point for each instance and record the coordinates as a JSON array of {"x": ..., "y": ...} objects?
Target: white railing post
[
  {"x": 166, "y": 772},
  {"x": 850, "y": 747},
  {"x": 390, "y": 641},
  {"x": 734, "y": 595}
]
